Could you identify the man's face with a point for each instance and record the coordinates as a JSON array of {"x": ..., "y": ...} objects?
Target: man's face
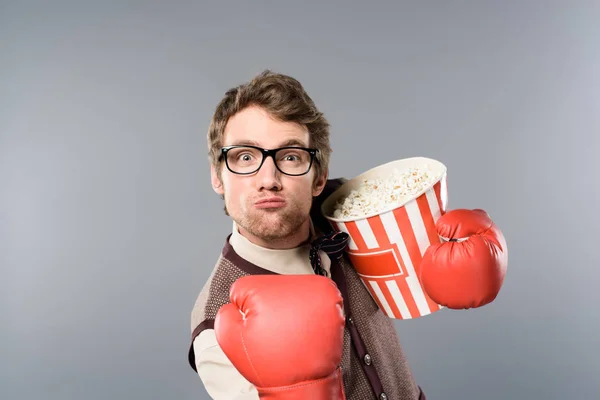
[{"x": 278, "y": 227}]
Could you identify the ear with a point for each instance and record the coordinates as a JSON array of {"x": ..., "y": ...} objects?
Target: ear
[
  {"x": 319, "y": 184},
  {"x": 216, "y": 183}
]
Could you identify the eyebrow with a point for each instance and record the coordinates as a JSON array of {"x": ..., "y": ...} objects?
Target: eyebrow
[{"x": 289, "y": 142}]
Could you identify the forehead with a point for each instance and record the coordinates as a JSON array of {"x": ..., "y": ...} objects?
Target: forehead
[{"x": 254, "y": 125}]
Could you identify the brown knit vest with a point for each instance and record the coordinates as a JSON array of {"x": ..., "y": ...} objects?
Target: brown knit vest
[{"x": 373, "y": 361}]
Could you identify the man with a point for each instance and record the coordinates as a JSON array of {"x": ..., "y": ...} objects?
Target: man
[{"x": 274, "y": 204}]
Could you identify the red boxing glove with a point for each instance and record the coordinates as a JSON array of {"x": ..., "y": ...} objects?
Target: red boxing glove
[
  {"x": 468, "y": 268},
  {"x": 285, "y": 334}
]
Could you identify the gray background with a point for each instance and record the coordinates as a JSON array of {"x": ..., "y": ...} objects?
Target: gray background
[{"x": 109, "y": 226}]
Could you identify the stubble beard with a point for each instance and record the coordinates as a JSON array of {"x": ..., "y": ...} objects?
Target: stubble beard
[
  {"x": 263, "y": 225},
  {"x": 276, "y": 225}
]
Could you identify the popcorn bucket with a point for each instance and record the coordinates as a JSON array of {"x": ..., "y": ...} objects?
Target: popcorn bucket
[{"x": 387, "y": 241}]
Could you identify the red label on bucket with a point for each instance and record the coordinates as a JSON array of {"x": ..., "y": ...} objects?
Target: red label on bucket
[{"x": 387, "y": 263}]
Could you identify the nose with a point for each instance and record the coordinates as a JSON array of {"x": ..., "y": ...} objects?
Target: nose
[{"x": 269, "y": 177}]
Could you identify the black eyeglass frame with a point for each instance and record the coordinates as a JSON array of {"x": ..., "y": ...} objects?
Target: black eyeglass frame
[{"x": 270, "y": 153}]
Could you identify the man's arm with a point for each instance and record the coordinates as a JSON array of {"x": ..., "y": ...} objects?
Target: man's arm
[{"x": 220, "y": 378}]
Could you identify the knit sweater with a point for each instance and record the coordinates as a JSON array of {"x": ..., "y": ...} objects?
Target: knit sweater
[{"x": 373, "y": 363}]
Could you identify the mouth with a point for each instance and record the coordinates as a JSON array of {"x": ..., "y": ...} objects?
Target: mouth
[{"x": 272, "y": 202}]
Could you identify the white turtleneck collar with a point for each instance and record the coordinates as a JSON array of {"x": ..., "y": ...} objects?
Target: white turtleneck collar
[{"x": 285, "y": 261}]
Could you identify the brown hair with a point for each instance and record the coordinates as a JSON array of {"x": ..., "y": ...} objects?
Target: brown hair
[{"x": 286, "y": 100}]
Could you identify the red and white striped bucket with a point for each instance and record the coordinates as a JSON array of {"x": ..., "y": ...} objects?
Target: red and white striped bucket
[{"x": 386, "y": 248}]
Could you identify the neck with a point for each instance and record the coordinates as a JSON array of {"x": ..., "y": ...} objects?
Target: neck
[{"x": 299, "y": 237}]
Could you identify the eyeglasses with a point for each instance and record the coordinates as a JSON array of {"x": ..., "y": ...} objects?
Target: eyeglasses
[{"x": 245, "y": 160}]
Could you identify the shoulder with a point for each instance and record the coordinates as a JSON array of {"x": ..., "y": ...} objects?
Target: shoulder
[
  {"x": 212, "y": 296},
  {"x": 214, "y": 292},
  {"x": 229, "y": 267},
  {"x": 315, "y": 213}
]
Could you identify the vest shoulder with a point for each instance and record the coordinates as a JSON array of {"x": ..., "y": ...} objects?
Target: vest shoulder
[
  {"x": 215, "y": 291},
  {"x": 320, "y": 222}
]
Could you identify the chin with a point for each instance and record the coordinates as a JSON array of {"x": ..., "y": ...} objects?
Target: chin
[
  {"x": 274, "y": 235},
  {"x": 272, "y": 225},
  {"x": 269, "y": 232}
]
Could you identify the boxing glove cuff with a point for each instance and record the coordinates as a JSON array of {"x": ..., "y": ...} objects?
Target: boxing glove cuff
[{"x": 328, "y": 388}]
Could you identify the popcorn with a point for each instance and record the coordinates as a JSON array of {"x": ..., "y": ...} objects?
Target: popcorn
[{"x": 375, "y": 195}]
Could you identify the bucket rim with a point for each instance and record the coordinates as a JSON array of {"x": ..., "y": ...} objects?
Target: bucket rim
[{"x": 329, "y": 202}]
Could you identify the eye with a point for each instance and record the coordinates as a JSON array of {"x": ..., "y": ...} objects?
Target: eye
[
  {"x": 292, "y": 156},
  {"x": 245, "y": 157}
]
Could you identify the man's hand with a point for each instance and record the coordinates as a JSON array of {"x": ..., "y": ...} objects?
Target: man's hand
[
  {"x": 468, "y": 268},
  {"x": 285, "y": 333}
]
